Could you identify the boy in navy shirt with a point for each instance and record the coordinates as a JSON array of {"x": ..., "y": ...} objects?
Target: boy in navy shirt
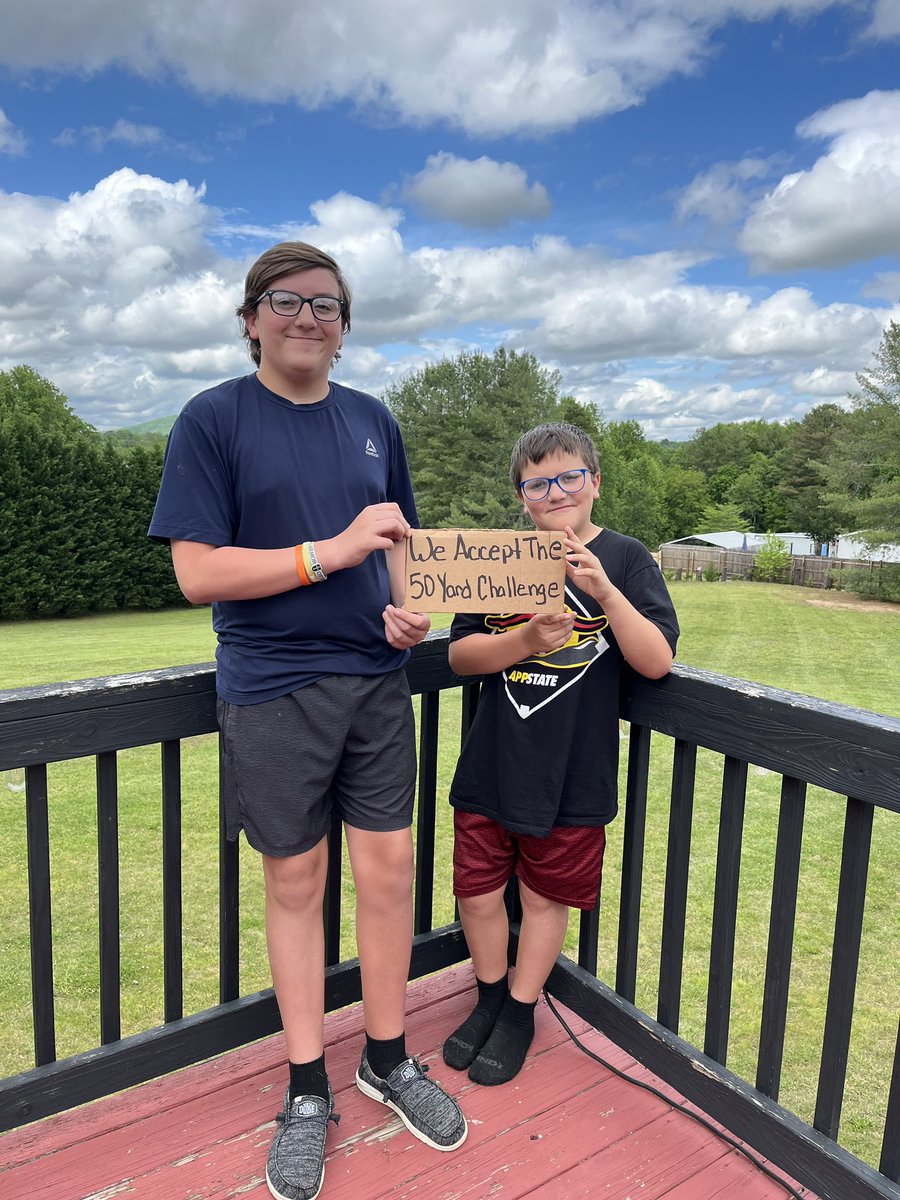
[{"x": 286, "y": 500}]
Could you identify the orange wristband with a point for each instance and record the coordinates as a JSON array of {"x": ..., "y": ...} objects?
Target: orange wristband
[{"x": 305, "y": 580}]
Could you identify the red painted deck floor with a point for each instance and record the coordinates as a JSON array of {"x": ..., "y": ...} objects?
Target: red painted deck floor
[{"x": 565, "y": 1127}]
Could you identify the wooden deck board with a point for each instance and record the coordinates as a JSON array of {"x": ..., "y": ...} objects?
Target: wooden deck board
[{"x": 565, "y": 1127}]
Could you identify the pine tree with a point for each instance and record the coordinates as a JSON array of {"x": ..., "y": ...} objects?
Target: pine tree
[
  {"x": 460, "y": 419},
  {"x": 74, "y": 511},
  {"x": 864, "y": 469}
]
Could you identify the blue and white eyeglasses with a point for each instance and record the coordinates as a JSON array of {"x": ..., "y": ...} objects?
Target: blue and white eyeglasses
[
  {"x": 290, "y": 304},
  {"x": 538, "y": 488}
]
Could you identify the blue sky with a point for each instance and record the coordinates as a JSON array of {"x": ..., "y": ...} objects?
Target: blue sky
[{"x": 689, "y": 208}]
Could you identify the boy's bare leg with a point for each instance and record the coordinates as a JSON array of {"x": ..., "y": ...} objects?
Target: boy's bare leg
[
  {"x": 541, "y": 938},
  {"x": 296, "y": 943},
  {"x": 486, "y": 926},
  {"x": 383, "y": 870},
  {"x": 382, "y": 865},
  {"x": 543, "y": 931}
]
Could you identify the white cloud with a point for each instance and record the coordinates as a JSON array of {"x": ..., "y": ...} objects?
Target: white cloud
[
  {"x": 370, "y": 370},
  {"x": 720, "y": 194},
  {"x": 99, "y": 136},
  {"x": 135, "y": 228},
  {"x": 644, "y": 398},
  {"x": 522, "y": 66},
  {"x": 208, "y": 363},
  {"x": 12, "y": 140},
  {"x": 390, "y": 287},
  {"x": 128, "y": 133},
  {"x": 482, "y": 194},
  {"x": 666, "y": 411},
  {"x": 108, "y": 284},
  {"x": 846, "y": 207},
  {"x": 825, "y": 384},
  {"x": 118, "y": 296},
  {"x": 884, "y": 286},
  {"x": 789, "y": 324},
  {"x": 177, "y": 316},
  {"x": 885, "y": 23}
]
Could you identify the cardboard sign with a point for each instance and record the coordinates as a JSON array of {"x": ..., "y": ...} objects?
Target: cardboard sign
[{"x": 485, "y": 571}]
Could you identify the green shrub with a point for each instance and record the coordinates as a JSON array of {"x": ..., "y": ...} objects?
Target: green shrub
[
  {"x": 772, "y": 562},
  {"x": 881, "y": 582},
  {"x": 711, "y": 573}
]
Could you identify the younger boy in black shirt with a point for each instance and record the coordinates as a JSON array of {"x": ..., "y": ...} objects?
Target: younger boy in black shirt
[{"x": 536, "y": 781}]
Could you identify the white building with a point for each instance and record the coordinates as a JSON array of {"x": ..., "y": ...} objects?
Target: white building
[
  {"x": 733, "y": 539},
  {"x": 848, "y": 545}
]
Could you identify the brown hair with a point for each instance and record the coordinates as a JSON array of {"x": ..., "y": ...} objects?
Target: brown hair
[
  {"x": 285, "y": 259},
  {"x": 544, "y": 440}
]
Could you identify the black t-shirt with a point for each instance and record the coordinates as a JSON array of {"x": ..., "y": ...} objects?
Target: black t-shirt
[{"x": 543, "y": 749}]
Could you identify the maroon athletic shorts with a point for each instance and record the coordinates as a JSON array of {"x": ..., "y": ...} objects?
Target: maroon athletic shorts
[{"x": 564, "y": 867}]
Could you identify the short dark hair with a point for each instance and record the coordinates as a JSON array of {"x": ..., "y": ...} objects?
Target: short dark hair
[
  {"x": 544, "y": 440},
  {"x": 285, "y": 259}
]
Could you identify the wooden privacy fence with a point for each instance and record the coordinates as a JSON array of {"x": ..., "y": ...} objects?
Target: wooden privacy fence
[{"x": 806, "y": 570}]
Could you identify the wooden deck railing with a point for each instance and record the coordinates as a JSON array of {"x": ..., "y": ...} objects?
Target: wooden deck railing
[{"x": 850, "y": 753}]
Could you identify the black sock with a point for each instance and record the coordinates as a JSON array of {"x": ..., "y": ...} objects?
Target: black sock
[
  {"x": 500, "y": 1058},
  {"x": 464, "y": 1043},
  {"x": 309, "y": 1079},
  {"x": 384, "y": 1056}
]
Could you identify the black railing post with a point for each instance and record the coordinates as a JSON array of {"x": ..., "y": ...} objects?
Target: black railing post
[
  {"x": 781, "y": 936},
  {"x": 39, "y": 914},
  {"x": 890, "y": 1146},
  {"x": 469, "y": 707},
  {"x": 671, "y": 958},
  {"x": 426, "y": 811},
  {"x": 633, "y": 859},
  {"x": 229, "y": 902},
  {"x": 108, "y": 881},
  {"x": 588, "y": 937},
  {"x": 332, "y": 901},
  {"x": 173, "y": 966},
  {"x": 844, "y": 966},
  {"x": 728, "y": 873}
]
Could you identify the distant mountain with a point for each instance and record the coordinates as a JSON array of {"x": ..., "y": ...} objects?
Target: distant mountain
[
  {"x": 158, "y": 425},
  {"x": 148, "y": 433}
]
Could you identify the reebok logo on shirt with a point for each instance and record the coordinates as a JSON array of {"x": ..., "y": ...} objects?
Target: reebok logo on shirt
[{"x": 370, "y": 449}]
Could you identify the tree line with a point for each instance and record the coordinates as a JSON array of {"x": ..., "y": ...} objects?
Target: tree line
[
  {"x": 75, "y": 504},
  {"x": 835, "y": 471},
  {"x": 74, "y": 510}
]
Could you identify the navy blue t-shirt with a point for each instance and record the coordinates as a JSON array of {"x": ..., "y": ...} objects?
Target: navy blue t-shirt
[{"x": 245, "y": 467}]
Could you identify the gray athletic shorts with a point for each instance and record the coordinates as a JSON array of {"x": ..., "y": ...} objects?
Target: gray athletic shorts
[{"x": 343, "y": 746}]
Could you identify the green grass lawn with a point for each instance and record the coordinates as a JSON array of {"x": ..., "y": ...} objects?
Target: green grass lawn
[
  {"x": 800, "y": 639},
  {"x": 105, "y": 644},
  {"x": 766, "y": 633}
]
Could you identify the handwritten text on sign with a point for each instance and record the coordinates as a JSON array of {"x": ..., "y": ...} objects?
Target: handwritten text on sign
[{"x": 485, "y": 570}]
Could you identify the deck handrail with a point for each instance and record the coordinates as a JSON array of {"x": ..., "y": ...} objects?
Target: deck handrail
[{"x": 806, "y": 741}]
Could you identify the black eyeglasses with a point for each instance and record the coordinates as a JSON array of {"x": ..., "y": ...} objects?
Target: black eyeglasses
[
  {"x": 289, "y": 304},
  {"x": 539, "y": 487}
]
